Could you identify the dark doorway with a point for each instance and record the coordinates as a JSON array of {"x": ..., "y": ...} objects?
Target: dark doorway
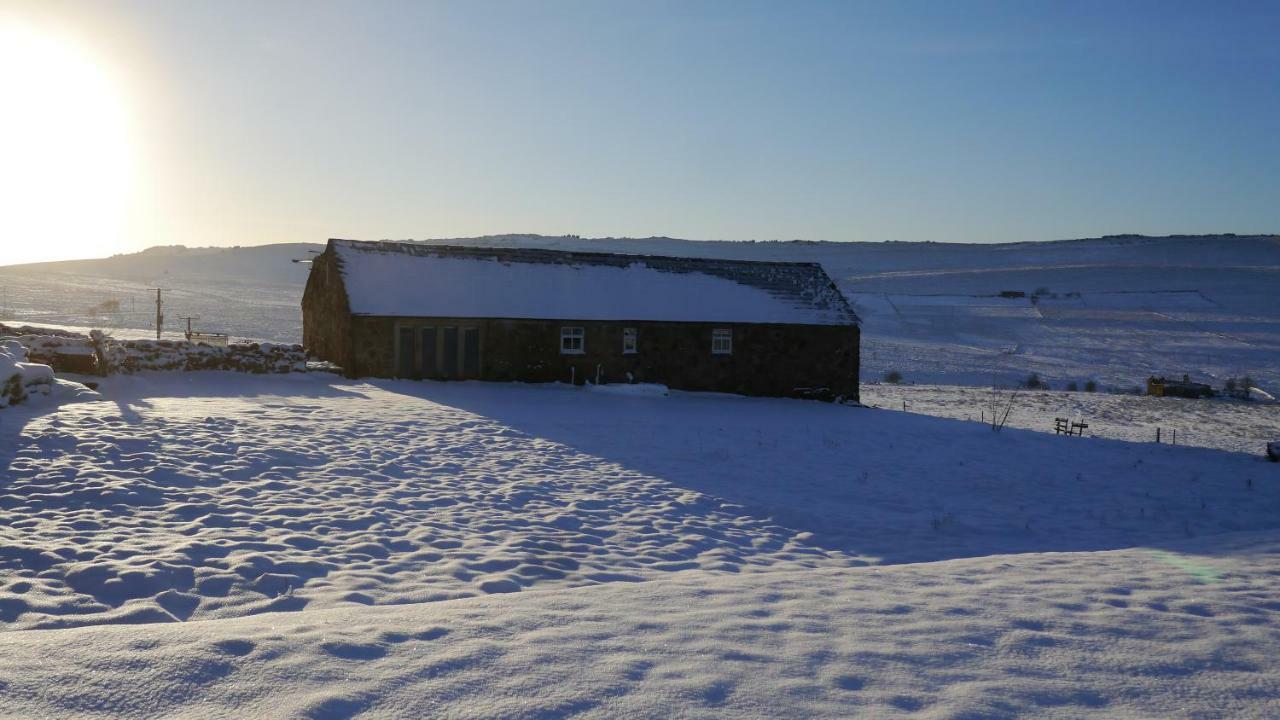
[
  {"x": 429, "y": 366},
  {"x": 471, "y": 352},
  {"x": 449, "y": 364},
  {"x": 404, "y": 364}
]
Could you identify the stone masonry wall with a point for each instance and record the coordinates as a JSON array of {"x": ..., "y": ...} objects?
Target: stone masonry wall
[
  {"x": 768, "y": 359},
  {"x": 326, "y": 321}
]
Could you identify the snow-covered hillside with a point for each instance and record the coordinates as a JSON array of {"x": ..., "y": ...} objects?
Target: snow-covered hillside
[
  {"x": 252, "y": 293},
  {"x": 543, "y": 551},
  {"x": 1113, "y": 309}
]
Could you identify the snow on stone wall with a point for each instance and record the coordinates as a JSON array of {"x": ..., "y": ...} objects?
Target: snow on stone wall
[
  {"x": 98, "y": 353},
  {"x": 19, "y": 378},
  {"x": 134, "y": 355},
  {"x": 64, "y": 352}
]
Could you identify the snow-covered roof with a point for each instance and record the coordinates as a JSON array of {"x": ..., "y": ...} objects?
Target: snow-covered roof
[{"x": 420, "y": 280}]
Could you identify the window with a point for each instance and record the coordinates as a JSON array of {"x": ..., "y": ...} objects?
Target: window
[
  {"x": 572, "y": 341},
  {"x": 629, "y": 341},
  {"x": 721, "y": 342}
]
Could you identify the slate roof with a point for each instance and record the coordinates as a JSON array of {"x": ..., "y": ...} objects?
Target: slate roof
[{"x": 403, "y": 279}]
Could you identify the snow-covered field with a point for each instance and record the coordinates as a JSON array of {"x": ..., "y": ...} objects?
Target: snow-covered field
[
  {"x": 1185, "y": 631},
  {"x": 481, "y": 550},
  {"x": 1224, "y": 424},
  {"x": 252, "y": 293},
  {"x": 226, "y": 545},
  {"x": 1113, "y": 310}
]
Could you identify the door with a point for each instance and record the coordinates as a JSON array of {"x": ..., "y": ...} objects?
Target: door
[
  {"x": 430, "y": 368},
  {"x": 404, "y": 350},
  {"x": 471, "y": 352},
  {"x": 449, "y": 356}
]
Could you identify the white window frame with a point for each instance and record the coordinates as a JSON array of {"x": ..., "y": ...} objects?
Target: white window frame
[
  {"x": 630, "y": 341},
  {"x": 722, "y": 341},
  {"x": 573, "y": 340}
]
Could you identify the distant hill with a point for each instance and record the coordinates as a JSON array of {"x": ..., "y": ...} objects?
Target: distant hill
[
  {"x": 257, "y": 263},
  {"x": 848, "y": 261},
  {"x": 1112, "y": 309}
]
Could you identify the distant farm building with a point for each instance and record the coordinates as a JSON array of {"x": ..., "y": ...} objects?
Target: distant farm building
[
  {"x": 411, "y": 310},
  {"x": 1184, "y": 388}
]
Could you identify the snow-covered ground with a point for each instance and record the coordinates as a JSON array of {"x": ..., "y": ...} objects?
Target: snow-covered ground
[
  {"x": 1188, "y": 630},
  {"x": 543, "y": 551},
  {"x": 1114, "y": 310},
  {"x": 1224, "y": 424}
]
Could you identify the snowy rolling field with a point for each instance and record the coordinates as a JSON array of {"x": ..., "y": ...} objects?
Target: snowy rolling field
[
  {"x": 1186, "y": 631},
  {"x": 1233, "y": 425},
  {"x": 1113, "y": 310},
  {"x": 307, "y": 546}
]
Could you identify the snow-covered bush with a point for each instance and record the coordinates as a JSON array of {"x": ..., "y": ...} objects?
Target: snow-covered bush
[{"x": 109, "y": 354}]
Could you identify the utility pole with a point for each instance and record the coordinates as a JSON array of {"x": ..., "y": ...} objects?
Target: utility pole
[
  {"x": 159, "y": 314},
  {"x": 189, "y": 318}
]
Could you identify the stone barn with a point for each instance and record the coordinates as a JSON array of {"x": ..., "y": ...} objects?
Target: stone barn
[{"x": 411, "y": 310}]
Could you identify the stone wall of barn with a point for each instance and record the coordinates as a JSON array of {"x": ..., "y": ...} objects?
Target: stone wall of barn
[
  {"x": 326, "y": 320},
  {"x": 819, "y": 361},
  {"x": 373, "y": 348}
]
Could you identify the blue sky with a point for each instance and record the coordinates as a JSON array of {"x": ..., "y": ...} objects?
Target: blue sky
[{"x": 947, "y": 121}]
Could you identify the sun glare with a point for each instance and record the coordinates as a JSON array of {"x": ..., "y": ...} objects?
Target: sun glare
[{"x": 65, "y": 160}]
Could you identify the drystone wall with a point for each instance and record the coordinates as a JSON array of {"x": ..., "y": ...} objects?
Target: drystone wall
[{"x": 100, "y": 354}]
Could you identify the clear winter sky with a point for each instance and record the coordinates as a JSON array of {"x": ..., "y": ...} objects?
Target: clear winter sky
[{"x": 128, "y": 124}]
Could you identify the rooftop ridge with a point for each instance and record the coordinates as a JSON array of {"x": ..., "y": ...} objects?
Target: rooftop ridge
[{"x": 584, "y": 254}]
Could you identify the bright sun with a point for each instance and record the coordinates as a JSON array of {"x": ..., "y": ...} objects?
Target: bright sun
[{"x": 65, "y": 159}]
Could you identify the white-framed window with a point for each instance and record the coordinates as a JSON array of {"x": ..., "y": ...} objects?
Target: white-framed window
[
  {"x": 721, "y": 341},
  {"x": 629, "y": 341},
  {"x": 572, "y": 341}
]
